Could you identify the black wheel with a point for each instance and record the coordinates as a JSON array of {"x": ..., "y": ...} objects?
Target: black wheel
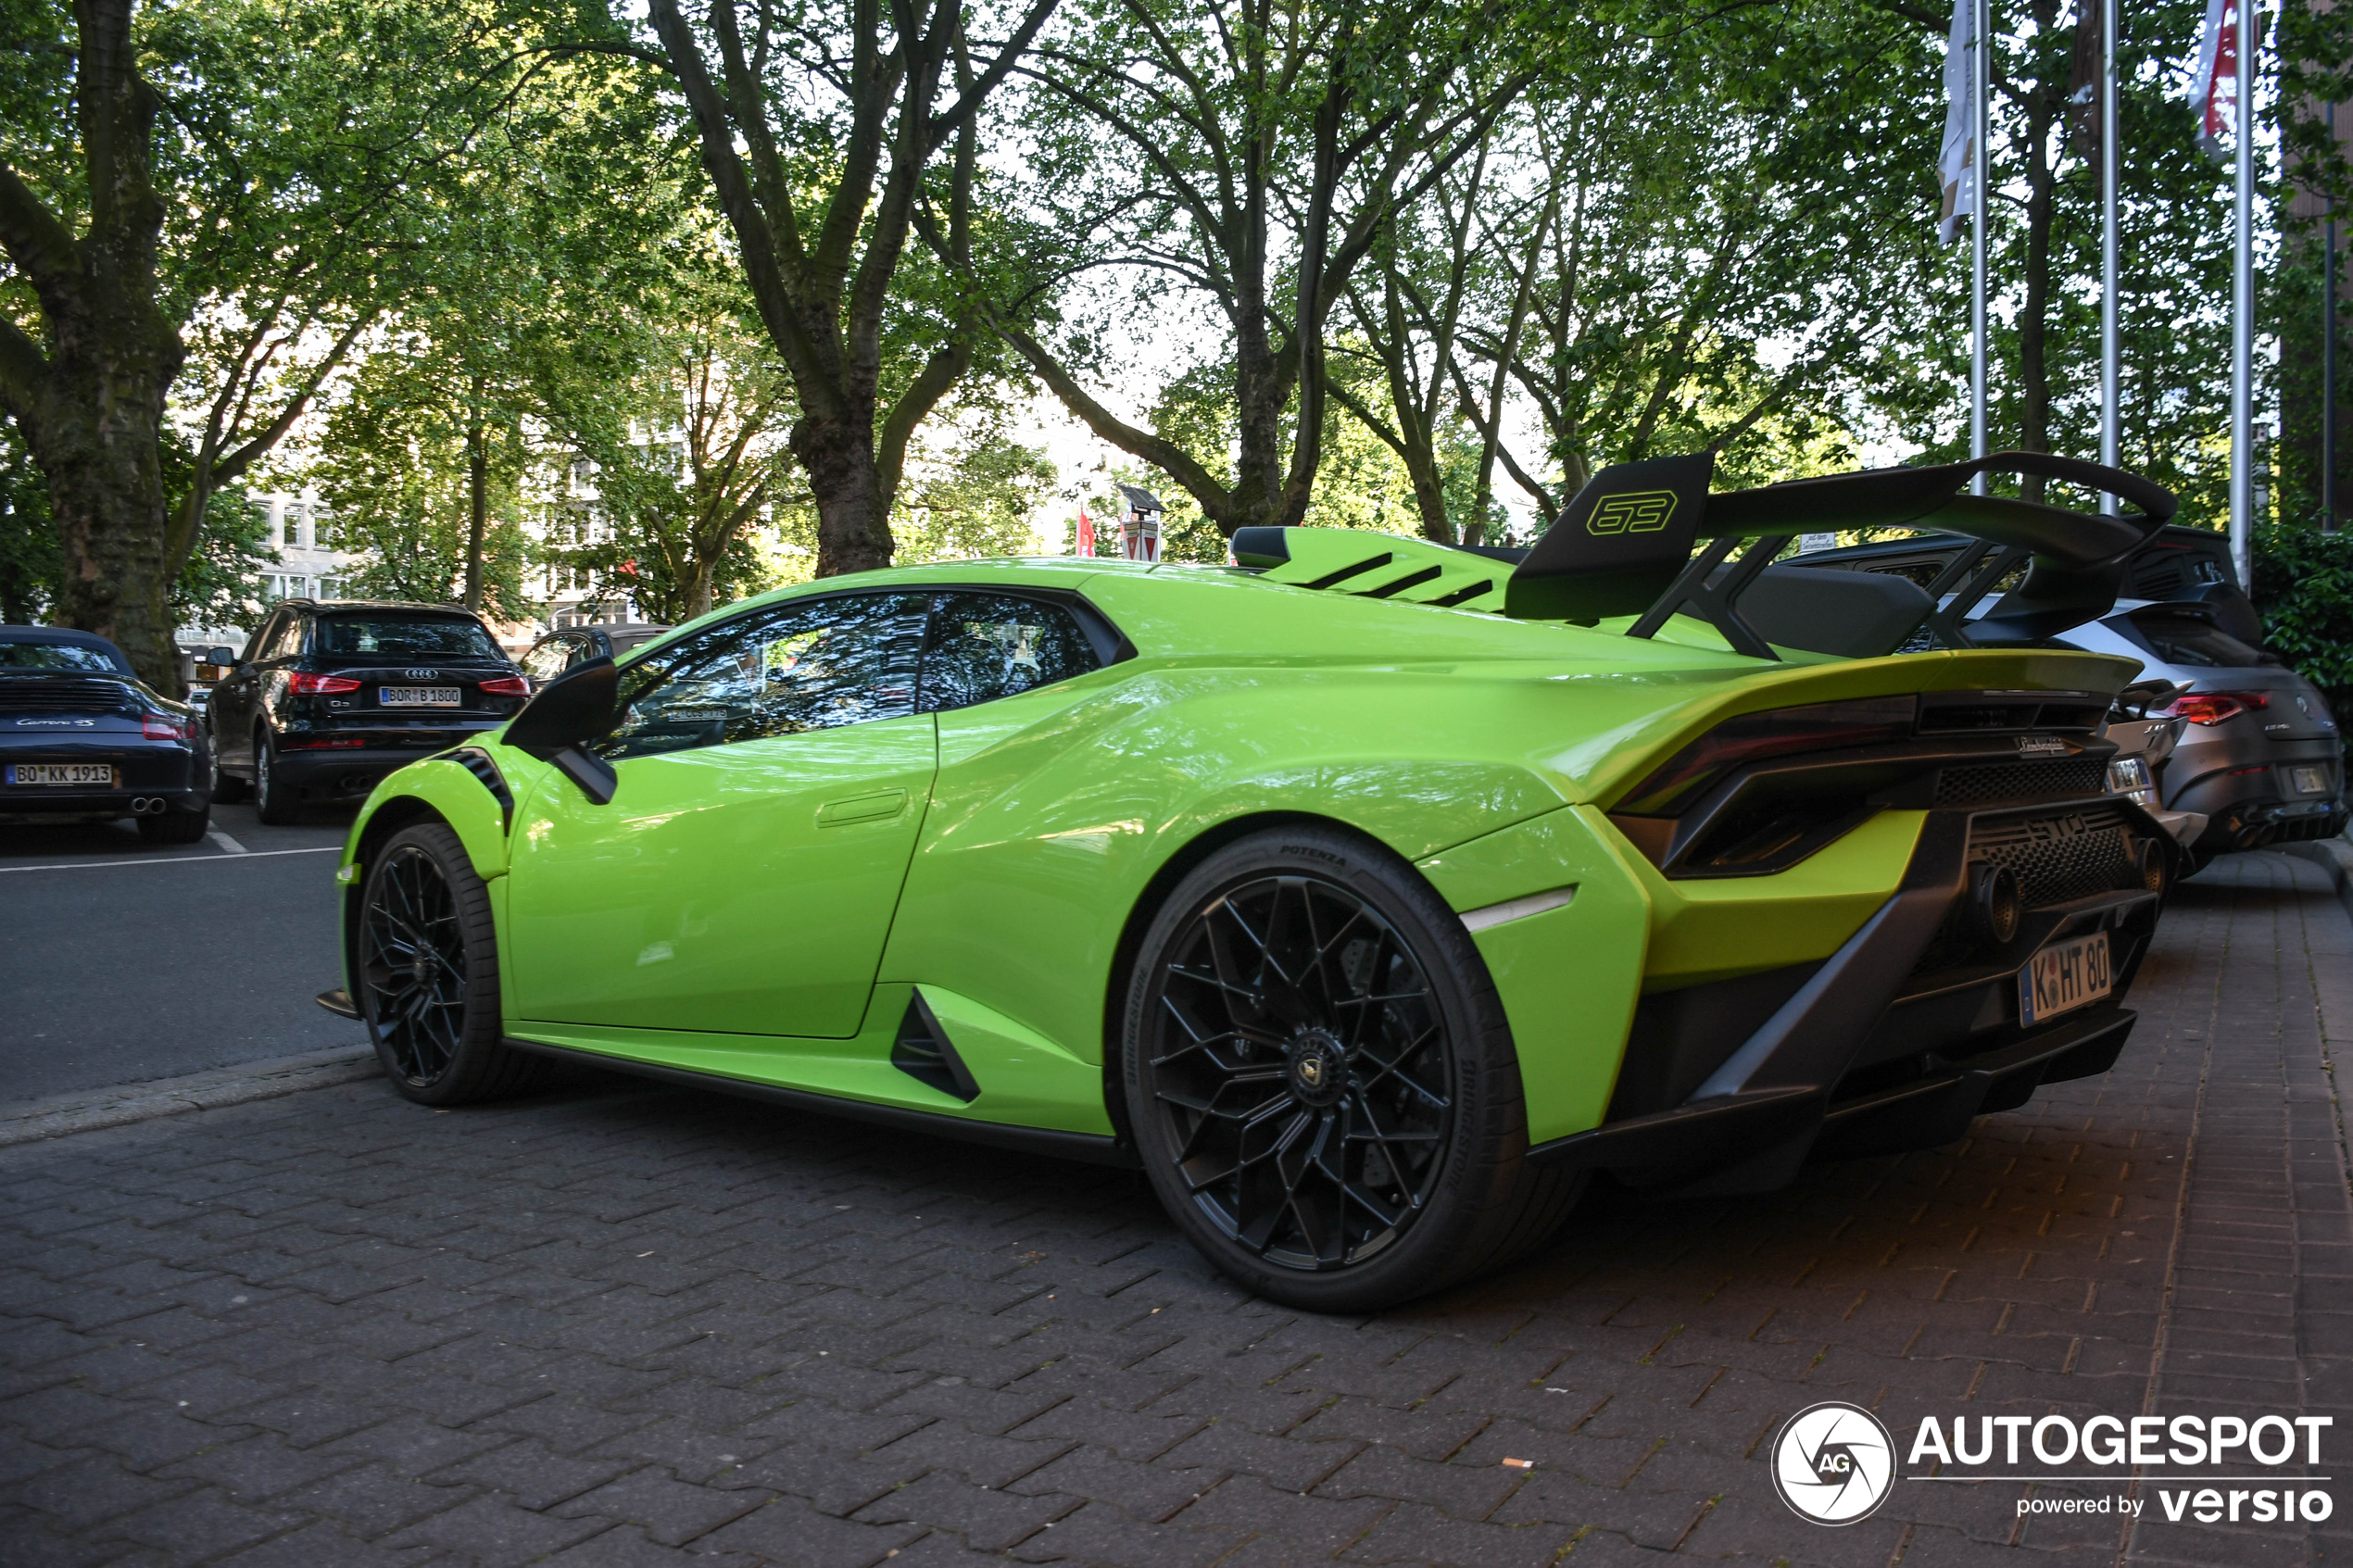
[
  {"x": 176, "y": 826},
  {"x": 429, "y": 973},
  {"x": 276, "y": 801},
  {"x": 1321, "y": 1081}
]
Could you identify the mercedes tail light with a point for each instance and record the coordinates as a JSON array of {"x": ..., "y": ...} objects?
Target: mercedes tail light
[
  {"x": 301, "y": 684},
  {"x": 508, "y": 685},
  {"x": 163, "y": 726},
  {"x": 2212, "y": 707}
]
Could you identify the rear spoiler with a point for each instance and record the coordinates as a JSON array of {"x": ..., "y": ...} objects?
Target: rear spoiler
[{"x": 1624, "y": 546}]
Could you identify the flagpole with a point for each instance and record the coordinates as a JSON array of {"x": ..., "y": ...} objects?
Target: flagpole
[
  {"x": 2242, "y": 311},
  {"x": 1980, "y": 60},
  {"x": 2111, "y": 348}
]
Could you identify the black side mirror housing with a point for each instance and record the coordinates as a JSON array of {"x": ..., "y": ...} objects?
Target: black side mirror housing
[
  {"x": 566, "y": 713},
  {"x": 220, "y": 657}
]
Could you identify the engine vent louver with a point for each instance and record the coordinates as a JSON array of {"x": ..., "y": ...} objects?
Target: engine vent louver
[
  {"x": 50, "y": 695},
  {"x": 1988, "y": 785},
  {"x": 923, "y": 1052},
  {"x": 475, "y": 761}
]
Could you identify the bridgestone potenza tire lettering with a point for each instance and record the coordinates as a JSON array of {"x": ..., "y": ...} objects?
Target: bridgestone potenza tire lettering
[
  {"x": 1320, "y": 1080},
  {"x": 427, "y": 973}
]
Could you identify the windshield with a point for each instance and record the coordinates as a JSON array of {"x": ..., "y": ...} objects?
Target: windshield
[
  {"x": 419, "y": 636},
  {"x": 56, "y": 656},
  {"x": 2180, "y": 639}
]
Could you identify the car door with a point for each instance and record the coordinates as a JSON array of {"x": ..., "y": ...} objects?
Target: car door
[
  {"x": 237, "y": 699},
  {"x": 772, "y": 774}
]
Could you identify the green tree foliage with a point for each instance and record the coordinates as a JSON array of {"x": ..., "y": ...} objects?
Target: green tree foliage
[{"x": 2304, "y": 589}]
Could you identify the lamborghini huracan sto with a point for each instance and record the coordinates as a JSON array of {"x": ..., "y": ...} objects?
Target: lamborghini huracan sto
[{"x": 1370, "y": 895}]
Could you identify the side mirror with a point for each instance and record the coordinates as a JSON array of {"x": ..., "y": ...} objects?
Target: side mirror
[
  {"x": 220, "y": 657},
  {"x": 566, "y": 713}
]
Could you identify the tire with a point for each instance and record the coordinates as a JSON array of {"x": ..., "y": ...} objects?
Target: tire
[
  {"x": 176, "y": 826},
  {"x": 1248, "y": 1049},
  {"x": 276, "y": 801},
  {"x": 227, "y": 788},
  {"x": 428, "y": 974}
]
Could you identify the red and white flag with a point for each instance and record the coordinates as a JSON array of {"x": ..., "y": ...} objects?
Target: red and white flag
[
  {"x": 2214, "y": 81},
  {"x": 1085, "y": 532}
]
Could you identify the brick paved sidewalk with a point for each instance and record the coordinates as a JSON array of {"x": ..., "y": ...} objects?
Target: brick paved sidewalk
[{"x": 620, "y": 1325}]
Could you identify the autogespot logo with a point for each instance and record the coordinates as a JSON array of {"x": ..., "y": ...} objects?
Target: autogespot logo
[{"x": 1833, "y": 1464}]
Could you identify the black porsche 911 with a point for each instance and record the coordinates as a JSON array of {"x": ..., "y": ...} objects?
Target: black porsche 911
[{"x": 83, "y": 738}]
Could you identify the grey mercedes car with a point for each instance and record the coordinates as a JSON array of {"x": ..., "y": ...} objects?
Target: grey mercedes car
[{"x": 2258, "y": 751}]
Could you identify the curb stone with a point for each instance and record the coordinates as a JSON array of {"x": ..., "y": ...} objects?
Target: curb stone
[
  {"x": 64, "y": 1115},
  {"x": 2334, "y": 856}
]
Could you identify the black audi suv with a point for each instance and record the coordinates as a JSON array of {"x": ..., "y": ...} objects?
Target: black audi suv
[
  {"x": 83, "y": 738},
  {"x": 331, "y": 695}
]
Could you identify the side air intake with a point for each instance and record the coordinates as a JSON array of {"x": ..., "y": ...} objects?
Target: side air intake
[{"x": 923, "y": 1052}]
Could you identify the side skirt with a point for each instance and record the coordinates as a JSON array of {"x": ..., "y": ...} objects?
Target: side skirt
[{"x": 1092, "y": 1149}]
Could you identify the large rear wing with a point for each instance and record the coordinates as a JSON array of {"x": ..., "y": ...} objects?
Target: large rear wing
[{"x": 1624, "y": 546}]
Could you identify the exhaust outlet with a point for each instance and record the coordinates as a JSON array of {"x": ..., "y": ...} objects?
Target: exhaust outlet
[{"x": 144, "y": 805}]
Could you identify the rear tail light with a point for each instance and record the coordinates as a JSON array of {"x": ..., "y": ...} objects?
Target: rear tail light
[
  {"x": 1822, "y": 726},
  {"x": 292, "y": 744},
  {"x": 163, "y": 726},
  {"x": 300, "y": 684},
  {"x": 508, "y": 685},
  {"x": 2212, "y": 707}
]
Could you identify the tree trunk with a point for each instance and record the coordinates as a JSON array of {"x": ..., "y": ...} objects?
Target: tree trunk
[
  {"x": 853, "y": 534},
  {"x": 89, "y": 398},
  {"x": 2034, "y": 324},
  {"x": 477, "y": 500}
]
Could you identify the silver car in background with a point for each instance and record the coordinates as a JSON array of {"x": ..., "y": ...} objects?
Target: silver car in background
[{"x": 2254, "y": 749}]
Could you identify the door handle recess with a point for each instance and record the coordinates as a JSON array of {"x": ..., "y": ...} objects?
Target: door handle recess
[{"x": 861, "y": 808}]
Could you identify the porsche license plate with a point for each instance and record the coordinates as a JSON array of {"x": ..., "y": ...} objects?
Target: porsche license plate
[
  {"x": 2309, "y": 781},
  {"x": 89, "y": 775},
  {"x": 417, "y": 696},
  {"x": 2064, "y": 977}
]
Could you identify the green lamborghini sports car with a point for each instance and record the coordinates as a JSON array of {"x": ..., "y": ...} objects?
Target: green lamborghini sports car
[{"x": 1370, "y": 895}]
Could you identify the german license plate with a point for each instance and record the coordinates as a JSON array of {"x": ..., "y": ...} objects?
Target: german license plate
[
  {"x": 87, "y": 774},
  {"x": 2309, "y": 781},
  {"x": 2064, "y": 977},
  {"x": 417, "y": 696}
]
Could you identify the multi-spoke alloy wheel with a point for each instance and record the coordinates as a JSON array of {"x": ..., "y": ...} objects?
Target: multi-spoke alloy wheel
[
  {"x": 413, "y": 956},
  {"x": 1320, "y": 1081},
  {"x": 428, "y": 971},
  {"x": 1303, "y": 1071}
]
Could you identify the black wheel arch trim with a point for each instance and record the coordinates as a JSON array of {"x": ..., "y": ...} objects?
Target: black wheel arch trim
[{"x": 1093, "y": 1149}]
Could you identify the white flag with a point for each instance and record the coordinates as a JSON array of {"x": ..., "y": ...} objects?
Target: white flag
[
  {"x": 2214, "y": 80},
  {"x": 1956, "y": 160}
]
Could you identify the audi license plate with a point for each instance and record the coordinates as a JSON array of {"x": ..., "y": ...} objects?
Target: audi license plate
[
  {"x": 2065, "y": 977},
  {"x": 87, "y": 774},
  {"x": 2309, "y": 781},
  {"x": 417, "y": 696}
]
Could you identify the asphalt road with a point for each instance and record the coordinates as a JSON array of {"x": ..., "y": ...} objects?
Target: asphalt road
[{"x": 121, "y": 962}]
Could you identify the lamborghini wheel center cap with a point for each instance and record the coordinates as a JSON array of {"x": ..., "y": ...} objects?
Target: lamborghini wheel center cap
[{"x": 1318, "y": 1067}]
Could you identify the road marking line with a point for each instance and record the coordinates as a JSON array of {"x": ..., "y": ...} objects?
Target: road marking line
[
  {"x": 222, "y": 839},
  {"x": 175, "y": 859}
]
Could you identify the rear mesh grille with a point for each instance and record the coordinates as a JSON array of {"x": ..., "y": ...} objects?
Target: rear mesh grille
[
  {"x": 67, "y": 697},
  {"x": 2053, "y": 779},
  {"x": 2060, "y": 855}
]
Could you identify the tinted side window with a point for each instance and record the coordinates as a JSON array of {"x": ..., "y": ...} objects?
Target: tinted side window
[
  {"x": 285, "y": 642},
  {"x": 796, "y": 666},
  {"x": 550, "y": 658},
  {"x": 987, "y": 645}
]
